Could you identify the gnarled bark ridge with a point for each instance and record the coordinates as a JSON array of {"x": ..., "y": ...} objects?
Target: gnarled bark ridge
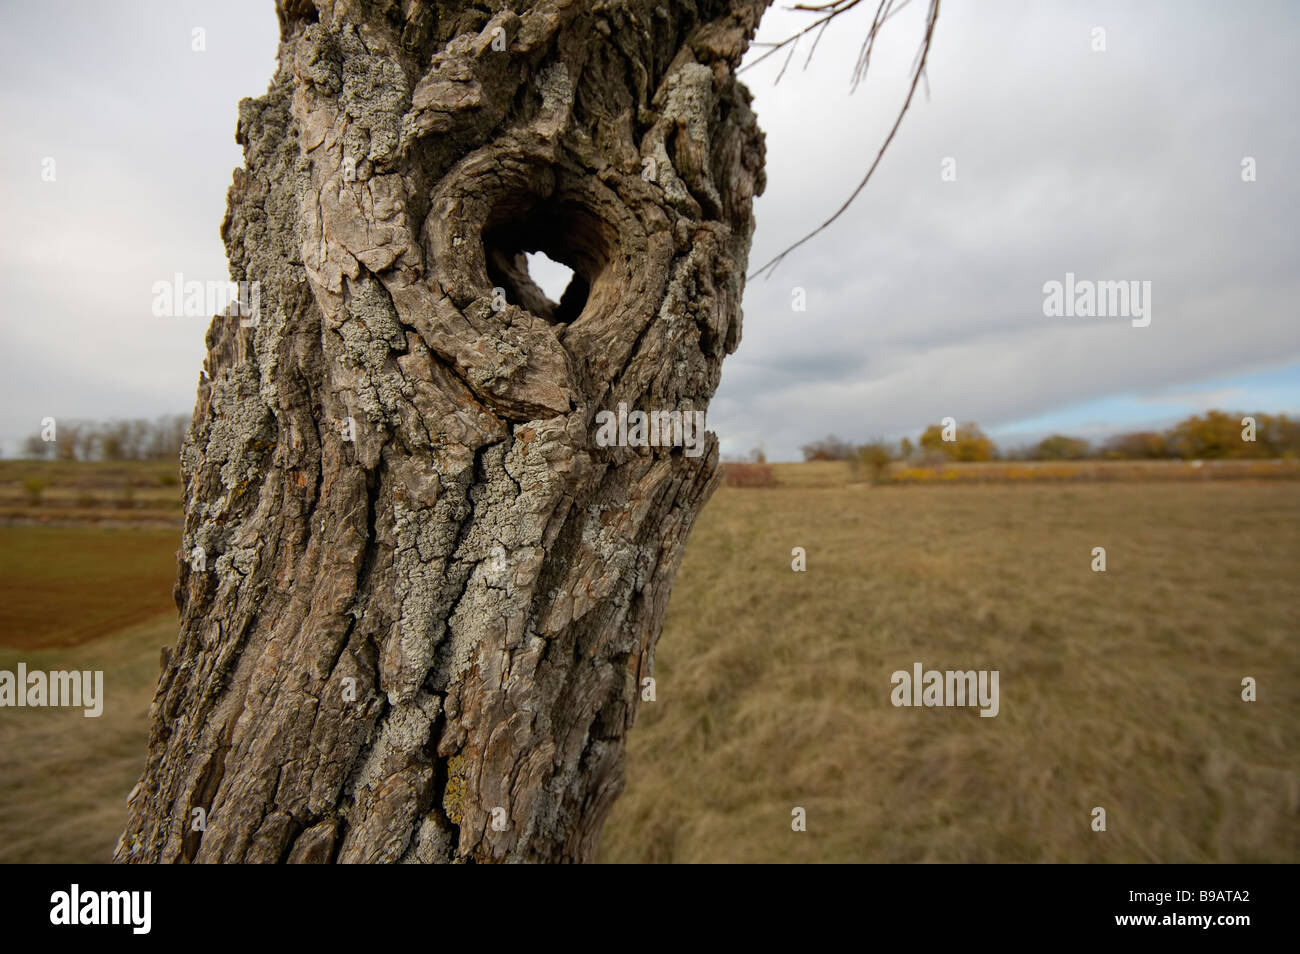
[{"x": 417, "y": 599}]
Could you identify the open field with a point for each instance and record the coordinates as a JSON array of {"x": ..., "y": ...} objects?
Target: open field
[
  {"x": 1118, "y": 689},
  {"x": 64, "y": 491},
  {"x": 148, "y": 493},
  {"x": 830, "y": 473},
  {"x": 1020, "y": 471},
  {"x": 64, "y": 777},
  {"x": 67, "y": 585}
]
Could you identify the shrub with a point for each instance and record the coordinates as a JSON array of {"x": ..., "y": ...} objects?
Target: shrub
[
  {"x": 35, "y": 489},
  {"x": 748, "y": 475},
  {"x": 969, "y": 444},
  {"x": 1062, "y": 447},
  {"x": 829, "y": 447},
  {"x": 871, "y": 461}
]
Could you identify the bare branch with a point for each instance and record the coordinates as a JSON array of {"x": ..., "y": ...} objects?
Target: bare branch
[
  {"x": 837, "y": 7},
  {"x": 815, "y": 42},
  {"x": 884, "y": 12},
  {"x": 794, "y": 46}
]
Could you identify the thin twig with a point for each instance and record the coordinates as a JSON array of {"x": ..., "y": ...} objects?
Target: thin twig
[
  {"x": 820, "y": 33},
  {"x": 788, "y": 58},
  {"x": 841, "y": 6},
  {"x": 883, "y": 14}
]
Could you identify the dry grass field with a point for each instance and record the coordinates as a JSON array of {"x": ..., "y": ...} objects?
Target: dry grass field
[
  {"x": 64, "y": 777},
  {"x": 111, "y": 492},
  {"x": 1094, "y": 470},
  {"x": 1118, "y": 689},
  {"x": 64, "y": 585}
]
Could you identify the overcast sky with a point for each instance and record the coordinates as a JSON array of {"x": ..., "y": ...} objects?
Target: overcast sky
[{"x": 924, "y": 301}]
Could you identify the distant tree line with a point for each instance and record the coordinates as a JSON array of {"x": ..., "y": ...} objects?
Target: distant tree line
[
  {"x": 138, "y": 439},
  {"x": 1213, "y": 436}
]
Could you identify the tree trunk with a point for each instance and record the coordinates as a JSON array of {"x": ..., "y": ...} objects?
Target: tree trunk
[{"x": 418, "y": 599}]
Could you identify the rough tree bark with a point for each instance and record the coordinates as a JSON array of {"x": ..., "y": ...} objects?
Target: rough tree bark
[{"x": 398, "y": 631}]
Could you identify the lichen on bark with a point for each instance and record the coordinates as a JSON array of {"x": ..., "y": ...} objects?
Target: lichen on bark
[{"x": 428, "y": 597}]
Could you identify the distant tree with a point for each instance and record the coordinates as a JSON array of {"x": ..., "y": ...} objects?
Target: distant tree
[
  {"x": 872, "y": 460},
  {"x": 1137, "y": 445},
  {"x": 1278, "y": 434},
  {"x": 71, "y": 437},
  {"x": 35, "y": 447},
  {"x": 114, "y": 440},
  {"x": 906, "y": 449},
  {"x": 973, "y": 445},
  {"x": 1214, "y": 436},
  {"x": 137, "y": 439},
  {"x": 166, "y": 435},
  {"x": 1061, "y": 447},
  {"x": 970, "y": 443},
  {"x": 829, "y": 447}
]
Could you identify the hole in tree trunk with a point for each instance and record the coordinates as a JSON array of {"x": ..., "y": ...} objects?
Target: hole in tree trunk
[
  {"x": 545, "y": 255},
  {"x": 550, "y": 276}
]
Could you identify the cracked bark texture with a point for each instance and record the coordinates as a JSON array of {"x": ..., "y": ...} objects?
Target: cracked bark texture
[{"x": 390, "y": 642}]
